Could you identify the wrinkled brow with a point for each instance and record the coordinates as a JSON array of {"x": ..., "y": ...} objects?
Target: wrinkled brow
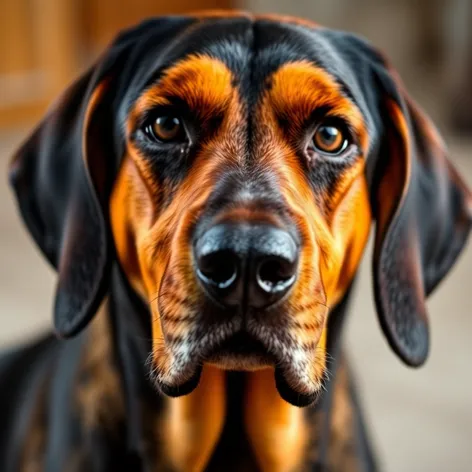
[
  {"x": 298, "y": 89},
  {"x": 201, "y": 83}
]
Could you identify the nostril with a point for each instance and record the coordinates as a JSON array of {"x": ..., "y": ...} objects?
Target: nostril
[
  {"x": 275, "y": 275},
  {"x": 219, "y": 269},
  {"x": 244, "y": 265}
]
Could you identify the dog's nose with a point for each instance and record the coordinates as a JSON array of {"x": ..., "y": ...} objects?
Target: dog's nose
[{"x": 246, "y": 264}]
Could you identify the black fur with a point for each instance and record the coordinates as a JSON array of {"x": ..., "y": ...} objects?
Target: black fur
[{"x": 63, "y": 189}]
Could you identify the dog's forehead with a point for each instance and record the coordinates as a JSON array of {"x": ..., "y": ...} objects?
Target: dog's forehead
[
  {"x": 251, "y": 49},
  {"x": 262, "y": 45}
]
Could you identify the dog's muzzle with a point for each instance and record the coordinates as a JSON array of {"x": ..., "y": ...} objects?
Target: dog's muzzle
[{"x": 246, "y": 265}]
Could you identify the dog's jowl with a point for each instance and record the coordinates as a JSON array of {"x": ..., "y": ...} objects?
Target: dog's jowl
[{"x": 205, "y": 192}]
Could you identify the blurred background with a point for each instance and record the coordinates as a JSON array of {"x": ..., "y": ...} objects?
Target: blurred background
[{"x": 421, "y": 420}]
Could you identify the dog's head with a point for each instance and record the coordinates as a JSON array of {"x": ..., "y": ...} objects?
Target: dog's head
[{"x": 234, "y": 166}]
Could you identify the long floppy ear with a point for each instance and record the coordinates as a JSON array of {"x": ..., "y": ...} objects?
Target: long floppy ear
[
  {"x": 63, "y": 173},
  {"x": 54, "y": 175},
  {"x": 424, "y": 214}
]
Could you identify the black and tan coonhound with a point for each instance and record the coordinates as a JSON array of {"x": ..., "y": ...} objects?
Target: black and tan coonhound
[{"x": 205, "y": 192}]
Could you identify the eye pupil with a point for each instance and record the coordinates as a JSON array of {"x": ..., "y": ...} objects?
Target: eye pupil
[
  {"x": 329, "y": 134},
  {"x": 329, "y": 139},
  {"x": 166, "y": 128},
  {"x": 168, "y": 123}
]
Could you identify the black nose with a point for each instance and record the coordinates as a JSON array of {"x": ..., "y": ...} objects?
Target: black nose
[{"x": 246, "y": 264}]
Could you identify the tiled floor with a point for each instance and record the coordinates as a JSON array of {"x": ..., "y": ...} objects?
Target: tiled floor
[{"x": 421, "y": 419}]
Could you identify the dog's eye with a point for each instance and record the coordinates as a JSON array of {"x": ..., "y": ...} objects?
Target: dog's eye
[
  {"x": 166, "y": 128},
  {"x": 330, "y": 139}
]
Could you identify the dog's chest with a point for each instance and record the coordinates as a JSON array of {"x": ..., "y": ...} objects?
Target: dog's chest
[{"x": 233, "y": 452}]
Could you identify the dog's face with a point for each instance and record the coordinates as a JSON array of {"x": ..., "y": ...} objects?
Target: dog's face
[
  {"x": 241, "y": 208},
  {"x": 239, "y": 163}
]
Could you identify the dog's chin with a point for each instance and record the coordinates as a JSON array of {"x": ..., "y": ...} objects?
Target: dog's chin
[
  {"x": 243, "y": 353},
  {"x": 240, "y": 352},
  {"x": 179, "y": 389},
  {"x": 286, "y": 391},
  {"x": 293, "y": 395}
]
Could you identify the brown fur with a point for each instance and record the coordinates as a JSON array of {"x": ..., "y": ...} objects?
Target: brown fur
[
  {"x": 153, "y": 245},
  {"x": 34, "y": 445},
  {"x": 99, "y": 399}
]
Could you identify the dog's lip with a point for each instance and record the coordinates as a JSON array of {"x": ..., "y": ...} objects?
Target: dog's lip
[
  {"x": 240, "y": 344},
  {"x": 243, "y": 345},
  {"x": 184, "y": 388},
  {"x": 292, "y": 395}
]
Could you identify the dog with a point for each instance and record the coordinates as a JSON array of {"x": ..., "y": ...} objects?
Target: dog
[{"x": 205, "y": 192}]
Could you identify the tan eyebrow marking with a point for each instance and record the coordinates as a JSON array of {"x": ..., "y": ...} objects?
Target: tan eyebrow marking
[
  {"x": 202, "y": 82},
  {"x": 298, "y": 88}
]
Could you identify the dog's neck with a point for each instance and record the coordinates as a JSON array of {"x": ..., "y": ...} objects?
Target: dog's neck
[
  {"x": 276, "y": 431},
  {"x": 186, "y": 433}
]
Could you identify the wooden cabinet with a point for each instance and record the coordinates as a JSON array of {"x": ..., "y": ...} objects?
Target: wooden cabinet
[
  {"x": 37, "y": 55},
  {"x": 103, "y": 18},
  {"x": 45, "y": 43}
]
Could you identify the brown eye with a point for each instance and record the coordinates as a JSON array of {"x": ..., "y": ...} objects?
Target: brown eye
[
  {"x": 166, "y": 128},
  {"x": 330, "y": 139}
]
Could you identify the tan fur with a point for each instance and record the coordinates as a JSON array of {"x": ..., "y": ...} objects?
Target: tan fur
[
  {"x": 153, "y": 245},
  {"x": 193, "y": 423},
  {"x": 277, "y": 430}
]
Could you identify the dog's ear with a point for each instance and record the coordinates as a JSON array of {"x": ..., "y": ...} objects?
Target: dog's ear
[
  {"x": 63, "y": 173},
  {"x": 58, "y": 176},
  {"x": 423, "y": 211}
]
